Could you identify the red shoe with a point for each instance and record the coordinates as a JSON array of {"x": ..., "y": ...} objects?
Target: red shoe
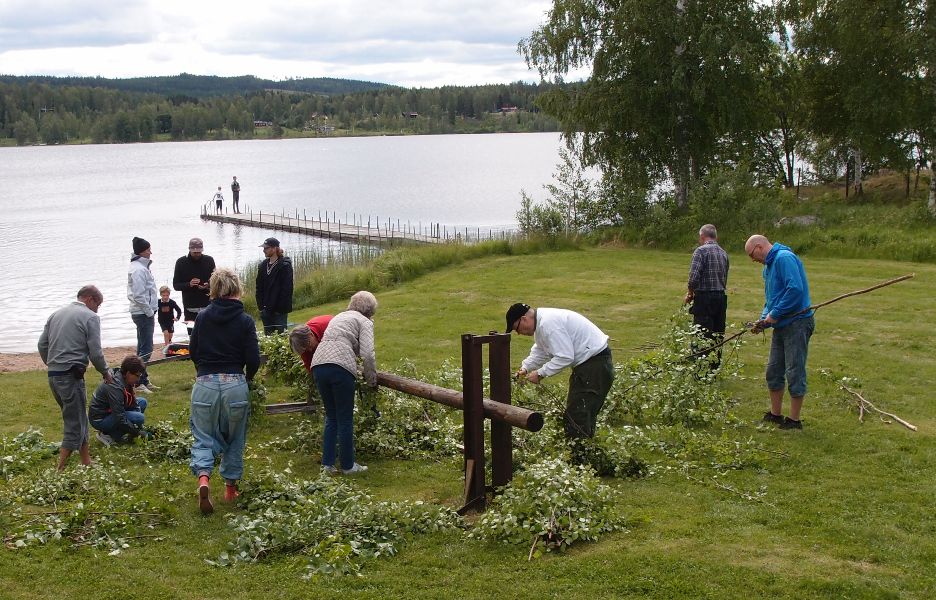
[
  {"x": 204, "y": 496},
  {"x": 230, "y": 492}
]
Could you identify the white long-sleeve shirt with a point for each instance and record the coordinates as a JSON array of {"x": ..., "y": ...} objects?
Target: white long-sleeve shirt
[{"x": 562, "y": 338}]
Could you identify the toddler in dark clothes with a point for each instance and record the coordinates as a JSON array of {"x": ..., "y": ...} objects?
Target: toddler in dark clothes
[{"x": 169, "y": 312}]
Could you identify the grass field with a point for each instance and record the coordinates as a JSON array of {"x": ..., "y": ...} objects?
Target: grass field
[{"x": 851, "y": 506}]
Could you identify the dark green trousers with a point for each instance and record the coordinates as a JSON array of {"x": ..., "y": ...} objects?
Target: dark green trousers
[{"x": 589, "y": 385}]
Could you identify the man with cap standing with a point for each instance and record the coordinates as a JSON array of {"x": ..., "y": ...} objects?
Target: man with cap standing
[
  {"x": 564, "y": 338},
  {"x": 191, "y": 276},
  {"x": 274, "y": 287},
  {"x": 72, "y": 336},
  {"x": 144, "y": 299}
]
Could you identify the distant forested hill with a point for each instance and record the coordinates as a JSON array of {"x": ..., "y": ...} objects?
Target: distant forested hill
[
  {"x": 55, "y": 110},
  {"x": 202, "y": 86}
]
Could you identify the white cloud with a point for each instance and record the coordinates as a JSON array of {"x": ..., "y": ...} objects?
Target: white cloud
[{"x": 411, "y": 42}]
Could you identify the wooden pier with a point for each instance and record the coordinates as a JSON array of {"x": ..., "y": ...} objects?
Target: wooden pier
[{"x": 359, "y": 231}]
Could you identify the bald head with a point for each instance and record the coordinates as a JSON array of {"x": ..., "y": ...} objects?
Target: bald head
[
  {"x": 90, "y": 291},
  {"x": 757, "y": 247},
  {"x": 91, "y": 297}
]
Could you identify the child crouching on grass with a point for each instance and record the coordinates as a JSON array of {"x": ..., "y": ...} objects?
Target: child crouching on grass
[{"x": 166, "y": 307}]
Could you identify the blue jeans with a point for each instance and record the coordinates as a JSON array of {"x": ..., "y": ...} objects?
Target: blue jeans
[
  {"x": 220, "y": 410},
  {"x": 788, "y": 349},
  {"x": 144, "y": 326},
  {"x": 336, "y": 385},
  {"x": 109, "y": 424},
  {"x": 273, "y": 322}
]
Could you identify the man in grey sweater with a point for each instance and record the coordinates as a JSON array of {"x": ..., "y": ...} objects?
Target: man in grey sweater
[{"x": 71, "y": 337}]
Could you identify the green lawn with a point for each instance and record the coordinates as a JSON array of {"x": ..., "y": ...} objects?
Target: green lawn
[{"x": 850, "y": 510}]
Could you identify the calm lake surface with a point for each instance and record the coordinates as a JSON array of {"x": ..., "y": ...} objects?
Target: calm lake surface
[{"x": 69, "y": 212}]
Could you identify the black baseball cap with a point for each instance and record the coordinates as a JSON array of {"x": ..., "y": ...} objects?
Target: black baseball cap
[
  {"x": 270, "y": 243},
  {"x": 515, "y": 312}
]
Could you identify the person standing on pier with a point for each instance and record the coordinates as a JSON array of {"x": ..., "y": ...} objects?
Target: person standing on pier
[
  {"x": 235, "y": 191},
  {"x": 274, "y": 287},
  {"x": 192, "y": 273},
  {"x": 219, "y": 201}
]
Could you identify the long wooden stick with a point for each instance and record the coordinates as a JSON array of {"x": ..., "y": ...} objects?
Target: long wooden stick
[
  {"x": 850, "y": 294},
  {"x": 864, "y": 404},
  {"x": 805, "y": 310}
]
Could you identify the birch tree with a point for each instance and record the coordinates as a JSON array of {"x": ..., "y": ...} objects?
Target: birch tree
[
  {"x": 860, "y": 72},
  {"x": 668, "y": 80},
  {"x": 928, "y": 92}
]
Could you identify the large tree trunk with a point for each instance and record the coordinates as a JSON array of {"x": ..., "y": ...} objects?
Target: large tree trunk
[
  {"x": 681, "y": 176},
  {"x": 788, "y": 150},
  {"x": 682, "y": 194},
  {"x": 847, "y": 176},
  {"x": 859, "y": 167},
  {"x": 931, "y": 203}
]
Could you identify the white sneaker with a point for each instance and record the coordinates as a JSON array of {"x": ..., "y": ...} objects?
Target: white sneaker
[
  {"x": 152, "y": 386},
  {"x": 331, "y": 470},
  {"x": 142, "y": 389},
  {"x": 355, "y": 469},
  {"x": 105, "y": 439}
]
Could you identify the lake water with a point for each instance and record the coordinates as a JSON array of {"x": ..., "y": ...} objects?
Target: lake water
[{"x": 69, "y": 212}]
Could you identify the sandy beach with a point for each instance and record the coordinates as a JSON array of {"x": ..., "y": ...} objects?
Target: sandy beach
[{"x": 13, "y": 362}]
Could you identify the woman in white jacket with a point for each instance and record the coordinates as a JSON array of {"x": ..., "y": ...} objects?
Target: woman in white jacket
[{"x": 349, "y": 336}]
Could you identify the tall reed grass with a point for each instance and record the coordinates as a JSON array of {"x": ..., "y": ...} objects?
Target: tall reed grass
[{"x": 322, "y": 277}]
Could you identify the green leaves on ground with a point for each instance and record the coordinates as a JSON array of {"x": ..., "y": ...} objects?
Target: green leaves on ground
[
  {"x": 100, "y": 506},
  {"x": 328, "y": 520},
  {"x": 22, "y": 451},
  {"x": 553, "y": 504}
]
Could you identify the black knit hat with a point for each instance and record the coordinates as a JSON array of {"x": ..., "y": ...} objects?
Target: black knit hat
[{"x": 140, "y": 245}]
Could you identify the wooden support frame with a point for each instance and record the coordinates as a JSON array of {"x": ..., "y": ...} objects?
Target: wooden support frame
[
  {"x": 476, "y": 489},
  {"x": 475, "y": 408}
]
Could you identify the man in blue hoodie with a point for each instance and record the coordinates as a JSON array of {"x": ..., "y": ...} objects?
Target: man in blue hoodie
[{"x": 787, "y": 311}]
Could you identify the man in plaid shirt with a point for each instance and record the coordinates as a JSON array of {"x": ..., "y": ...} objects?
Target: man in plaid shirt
[{"x": 708, "y": 275}]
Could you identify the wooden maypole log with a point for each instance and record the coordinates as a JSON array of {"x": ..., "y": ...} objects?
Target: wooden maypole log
[{"x": 516, "y": 416}]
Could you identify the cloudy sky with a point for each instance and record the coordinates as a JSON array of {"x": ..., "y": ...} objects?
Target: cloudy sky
[{"x": 420, "y": 43}]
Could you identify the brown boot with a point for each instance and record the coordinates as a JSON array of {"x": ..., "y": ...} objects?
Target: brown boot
[
  {"x": 230, "y": 491},
  {"x": 204, "y": 496}
]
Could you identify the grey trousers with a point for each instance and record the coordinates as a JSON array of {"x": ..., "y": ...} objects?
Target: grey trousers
[{"x": 72, "y": 398}]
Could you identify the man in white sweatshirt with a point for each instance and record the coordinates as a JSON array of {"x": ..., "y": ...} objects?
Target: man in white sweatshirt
[
  {"x": 142, "y": 294},
  {"x": 564, "y": 338}
]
